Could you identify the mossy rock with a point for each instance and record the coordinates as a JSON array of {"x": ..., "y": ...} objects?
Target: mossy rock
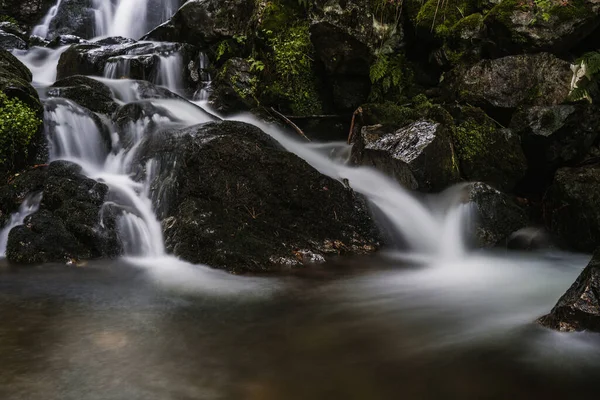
[
  {"x": 487, "y": 152},
  {"x": 554, "y": 26}
]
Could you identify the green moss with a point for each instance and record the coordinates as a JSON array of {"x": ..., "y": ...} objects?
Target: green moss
[
  {"x": 575, "y": 9},
  {"x": 440, "y": 16},
  {"x": 469, "y": 139},
  {"x": 18, "y": 125},
  {"x": 8, "y": 18}
]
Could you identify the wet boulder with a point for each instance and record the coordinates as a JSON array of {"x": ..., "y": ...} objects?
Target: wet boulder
[
  {"x": 141, "y": 116},
  {"x": 513, "y": 81},
  {"x": 15, "y": 81},
  {"x": 555, "y": 136},
  {"x": 65, "y": 40},
  {"x": 67, "y": 224},
  {"x": 497, "y": 215},
  {"x": 419, "y": 155},
  {"x": 579, "y": 308},
  {"x": 8, "y": 41},
  {"x": 555, "y": 25},
  {"x": 572, "y": 206},
  {"x": 87, "y": 92},
  {"x": 203, "y": 23},
  {"x": 229, "y": 196},
  {"x": 486, "y": 151}
]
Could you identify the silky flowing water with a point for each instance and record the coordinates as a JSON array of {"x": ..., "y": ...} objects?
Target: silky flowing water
[{"x": 427, "y": 318}]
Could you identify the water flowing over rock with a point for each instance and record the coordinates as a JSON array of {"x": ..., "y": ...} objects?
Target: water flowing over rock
[
  {"x": 419, "y": 156},
  {"x": 230, "y": 197},
  {"x": 572, "y": 206},
  {"x": 87, "y": 92},
  {"x": 26, "y": 12},
  {"x": 579, "y": 308},
  {"x": 13, "y": 194},
  {"x": 67, "y": 225},
  {"x": 513, "y": 81}
]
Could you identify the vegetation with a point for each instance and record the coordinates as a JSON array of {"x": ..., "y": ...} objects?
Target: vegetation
[
  {"x": 18, "y": 125},
  {"x": 587, "y": 76}
]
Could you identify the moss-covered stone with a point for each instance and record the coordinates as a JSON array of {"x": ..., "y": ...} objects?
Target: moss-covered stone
[{"x": 487, "y": 152}]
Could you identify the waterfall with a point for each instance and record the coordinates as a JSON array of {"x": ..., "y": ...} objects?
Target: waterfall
[
  {"x": 118, "y": 67},
  {"x": 28, "y": 207},
  {"x": 131, "y": 18},
  {"x": 170, "y": 71},
  {"x": 43, "y": 28},
  {"x": 205, "y": 78},
  {"x": 42, "y": 62}
]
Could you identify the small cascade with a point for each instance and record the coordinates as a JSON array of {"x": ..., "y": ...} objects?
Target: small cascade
[
  {"x": 42, "y": 62},
  {"x": 28, "y": 207},
  {"x": 42, "y": 29},
  {"x": 170, "y": 71},
  {"x": 118, "y": 67},
  {"x": 131, "y": 18},
  {"x": 73, "y": 134},
  {"x": 205, "y": 79}
]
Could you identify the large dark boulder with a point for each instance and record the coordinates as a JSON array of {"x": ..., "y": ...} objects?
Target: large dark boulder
[
  {"x": 74, "y": 17},
  {"x": 87, "y": 92},
  {"x": 555, "y": 136},
  {"x": 579, "y": 308},
  {"x": 419, "y": 155},
  {"x": 229, "y": 196},
  {"x": 486, "y": 151},
  {"x": 572, "y": 206},
  {"x": 557, "y": 26},
  {"x": 513, "y": 81},
  {"x": 67, "y": 225},
  {"x": 206, "y": 22},
  {"x": 8, "y": 41},
  {"x": 497, "y": 215}
]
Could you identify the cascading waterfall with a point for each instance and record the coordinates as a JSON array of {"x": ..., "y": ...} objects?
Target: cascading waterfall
[
  {"x": 42, "y": 62},
  {"x": 205, "y": 78},
  {"x": 42, "y": 29},
  {"x": 170, "y": 69},
  {"x": 118, "y": 67},
  {"x": 28, "y": 207}
]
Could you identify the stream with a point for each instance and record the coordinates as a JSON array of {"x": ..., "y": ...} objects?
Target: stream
[{"x": 439, "y": 320}]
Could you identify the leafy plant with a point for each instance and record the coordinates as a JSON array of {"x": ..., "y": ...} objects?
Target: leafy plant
[
  {"x": 18, "y": 125},
  {"x": 586, "y": 77}
]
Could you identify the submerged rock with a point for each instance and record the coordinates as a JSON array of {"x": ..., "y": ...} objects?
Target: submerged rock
[
  {"x": 419, "y": 156},
  {"x": 579, "y": 308},
  {"x": 67, "y": 225},
  {"x": 87, "y": 92},
  {"x": 497, "y": 215},
  {"x": 513, "y": 81},
  {"x": 229, "y": 196},
  {"x": 572, "y": 206}
]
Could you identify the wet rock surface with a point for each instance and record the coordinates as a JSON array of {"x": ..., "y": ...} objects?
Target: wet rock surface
[
  {"x": 87, "y": 92},
  {"x": 497, "y": 215},
  {"x": 74, "y": 17},
  {"x": 419, "y": 156},
  {"x": 232, "y": 198},
  {"x": 8, "y": 41},
  {"x": 67, "y": 225},
  {"x": 579, "y": 308}
]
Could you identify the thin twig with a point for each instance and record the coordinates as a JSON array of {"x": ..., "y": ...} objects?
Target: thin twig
[{"x": 290, "y": 123}]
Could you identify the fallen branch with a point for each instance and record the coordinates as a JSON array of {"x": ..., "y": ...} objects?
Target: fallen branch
[
  {"x": 354, "y": 114},
  {"x": 290, "y": 123},
  {"x": 332, "y": 116}
]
